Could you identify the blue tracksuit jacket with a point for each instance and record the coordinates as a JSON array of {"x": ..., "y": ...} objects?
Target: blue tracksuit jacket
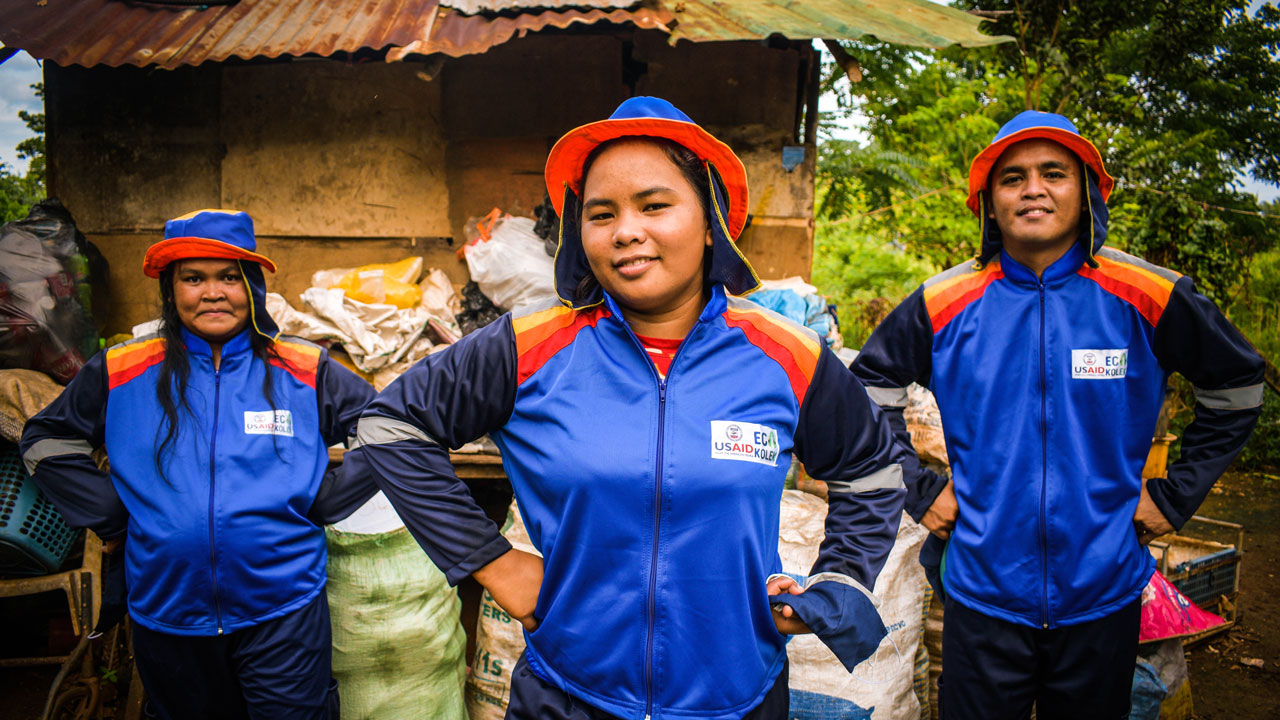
[
  {"x": 1049, "y": 390},
  {"x": 232, "y": 534},
  {"x": 654, "y": 502}
]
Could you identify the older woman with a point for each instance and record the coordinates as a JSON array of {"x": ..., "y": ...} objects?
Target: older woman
[
  {"x": 647, "y": 421},
  {"x": 217, "y": 431}
]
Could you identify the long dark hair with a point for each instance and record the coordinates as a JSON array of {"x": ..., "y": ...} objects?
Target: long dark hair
[
  {"x": 691, "y": 167},
  {"x": 175, "y": 369}
]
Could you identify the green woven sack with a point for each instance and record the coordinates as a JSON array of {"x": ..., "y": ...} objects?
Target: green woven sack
[{"x": 397, "y": 642}]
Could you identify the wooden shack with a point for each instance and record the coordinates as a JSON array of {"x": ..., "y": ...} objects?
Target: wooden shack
[{"x": 355, "y": 147}]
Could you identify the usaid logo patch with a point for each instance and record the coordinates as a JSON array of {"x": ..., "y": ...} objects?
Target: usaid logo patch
[
  {"x": 268, "y": 423},
  {"x": 1099, "y": 364},
  {"x": 749, "y": 442}
]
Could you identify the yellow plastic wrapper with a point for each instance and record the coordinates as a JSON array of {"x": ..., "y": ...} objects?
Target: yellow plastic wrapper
[{"x": 389, "y": 283}]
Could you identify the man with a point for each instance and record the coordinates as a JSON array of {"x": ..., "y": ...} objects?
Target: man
[{"x": 1048, "y": 356}]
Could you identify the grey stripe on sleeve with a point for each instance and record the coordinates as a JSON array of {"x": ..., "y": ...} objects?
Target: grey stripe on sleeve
[
  {"x": 1242, "y": 398},
  {"x": 843, "y": 580},
  {"x": 888, "y": 397},
  {"x": 376, "y": 430},
  {"x": 888, "y": 477},
  {"x": 53, "y": 447}
]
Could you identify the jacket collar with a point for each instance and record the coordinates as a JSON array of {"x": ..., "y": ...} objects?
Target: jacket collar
[
  {"x": 196, "y": 345},
  {"x": 715, "y": 306},
  {"x": 1063, "y": 267}
]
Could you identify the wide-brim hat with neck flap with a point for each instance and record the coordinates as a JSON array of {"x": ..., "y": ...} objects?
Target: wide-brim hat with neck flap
[
  {"x": 1028, "y": 125},
  {"x": 222, "y": 234},
  {"x": 657, "y": 118}
]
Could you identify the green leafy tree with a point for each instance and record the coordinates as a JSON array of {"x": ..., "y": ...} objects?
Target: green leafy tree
[
  {"x": 19, "y": 192},
  {"x": 1180, "y": 96},
  {"x": 32, "y": 149}
]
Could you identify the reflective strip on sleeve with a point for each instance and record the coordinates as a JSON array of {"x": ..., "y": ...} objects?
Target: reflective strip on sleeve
[
  {"x": 53, "y": 447},
  {"x": 888, "y": 477},
  {"x": 1242, "y": 398},
  {"x": 843, "y": 580},
  {"x": 377, "y": 430},
  {"x": 888, "y": 397}
]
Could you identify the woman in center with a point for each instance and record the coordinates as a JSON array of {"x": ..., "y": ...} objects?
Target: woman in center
[{"x": 647, "y": 421}]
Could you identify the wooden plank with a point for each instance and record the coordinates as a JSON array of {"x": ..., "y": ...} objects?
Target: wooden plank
[
  {"x": 325, "y": 149},
  {"x": 505, "y": 173},
  {"x": 540, "y": 85},
  {"x": 130, "y": 147},
  {"x": 778, "y": 251},
  {"x": 735, "y": 84}
]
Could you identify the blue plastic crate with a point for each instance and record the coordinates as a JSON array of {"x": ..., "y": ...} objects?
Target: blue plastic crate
[
  {"x": 34, "y": 539},
  {"x": 1208, "y": 576}
]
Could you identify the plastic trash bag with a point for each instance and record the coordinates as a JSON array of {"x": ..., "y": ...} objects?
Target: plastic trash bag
[
  {"x": 46, "y": 319},
  {"x": 379, "y": 283},
  {"x": 507, "y": 260},
  {"x": 477, "y": 310},
  {"x": 1167, "y": 613}
]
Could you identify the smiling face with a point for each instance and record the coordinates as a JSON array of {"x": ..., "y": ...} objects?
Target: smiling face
[
  {"x": 645, "y": 233},
  {"x": 211, "y": 297},
  {"x": 1036, "y": 197}
]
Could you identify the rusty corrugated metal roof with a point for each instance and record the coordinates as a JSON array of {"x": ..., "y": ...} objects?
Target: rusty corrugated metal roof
[
  {"x": 904, "y": 22},
  {"x": 111, "y": 32},
  {"x": 457, "y": 35},
  {"x": 475, "y": 7}
]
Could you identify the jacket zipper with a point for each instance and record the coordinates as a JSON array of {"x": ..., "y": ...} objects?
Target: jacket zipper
[
  {"x": 1044, "y": 473},
  {"x": 213, "y": 446},
  {"x": 653, "y": 556},
  {"x": 657, "y": 514}
]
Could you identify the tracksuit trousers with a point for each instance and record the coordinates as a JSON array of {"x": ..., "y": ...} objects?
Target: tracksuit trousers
[
  {"x": 277, "y": 670},
  {"x": 996, "y": 670}
]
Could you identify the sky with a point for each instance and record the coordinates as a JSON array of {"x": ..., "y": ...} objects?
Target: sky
[{"x": 16, "y": 76}]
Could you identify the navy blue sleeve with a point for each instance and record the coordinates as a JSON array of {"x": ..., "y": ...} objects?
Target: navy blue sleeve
[
  {"x": 57, "y": 448},
  {"x": 898, "y": 353},
  {"x": 843, "y": 439},
  {"x": 1194, "y": 338},
  {"x": 341, "y": 396},
  {"x": 446, "y": 400}
]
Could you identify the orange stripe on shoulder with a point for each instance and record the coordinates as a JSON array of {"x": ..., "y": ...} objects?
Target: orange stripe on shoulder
[
  {"x": 126, "y": 362},
  {"x": 1147, "y": 292},
  {"x": 536, "y": 327},
  {"x": 299, "y": 360},
  {"x": 794, "y": 350},
  {"x": 541, "y": 335},
  {"x": 946, "y": 299}
]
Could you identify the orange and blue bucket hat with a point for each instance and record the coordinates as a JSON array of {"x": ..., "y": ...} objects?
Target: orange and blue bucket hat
[
  {"x": 1034, "y": 124},
  {"x": 223, "y": 234},
  {"x": 1028, "y": 125},
  {"x": 656, "y": 118},
  {"x": 647, "y": 117}
]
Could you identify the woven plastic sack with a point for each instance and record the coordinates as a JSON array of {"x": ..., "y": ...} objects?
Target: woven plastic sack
[
  {"x": 1167, "y": 613},
  {"x": 882, "y": 687},
  {"x": 398, "y": 645},
  {"x": 510, "y": 266},
  {"x": 499, "y": 641}
]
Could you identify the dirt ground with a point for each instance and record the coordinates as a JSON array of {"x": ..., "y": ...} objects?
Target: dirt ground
[{"x": 1222, "y": 686}]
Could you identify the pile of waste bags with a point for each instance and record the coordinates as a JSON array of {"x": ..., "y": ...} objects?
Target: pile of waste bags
[
  {"x": 382, "y": 315},
  {"x": 47, "y": 272}
]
